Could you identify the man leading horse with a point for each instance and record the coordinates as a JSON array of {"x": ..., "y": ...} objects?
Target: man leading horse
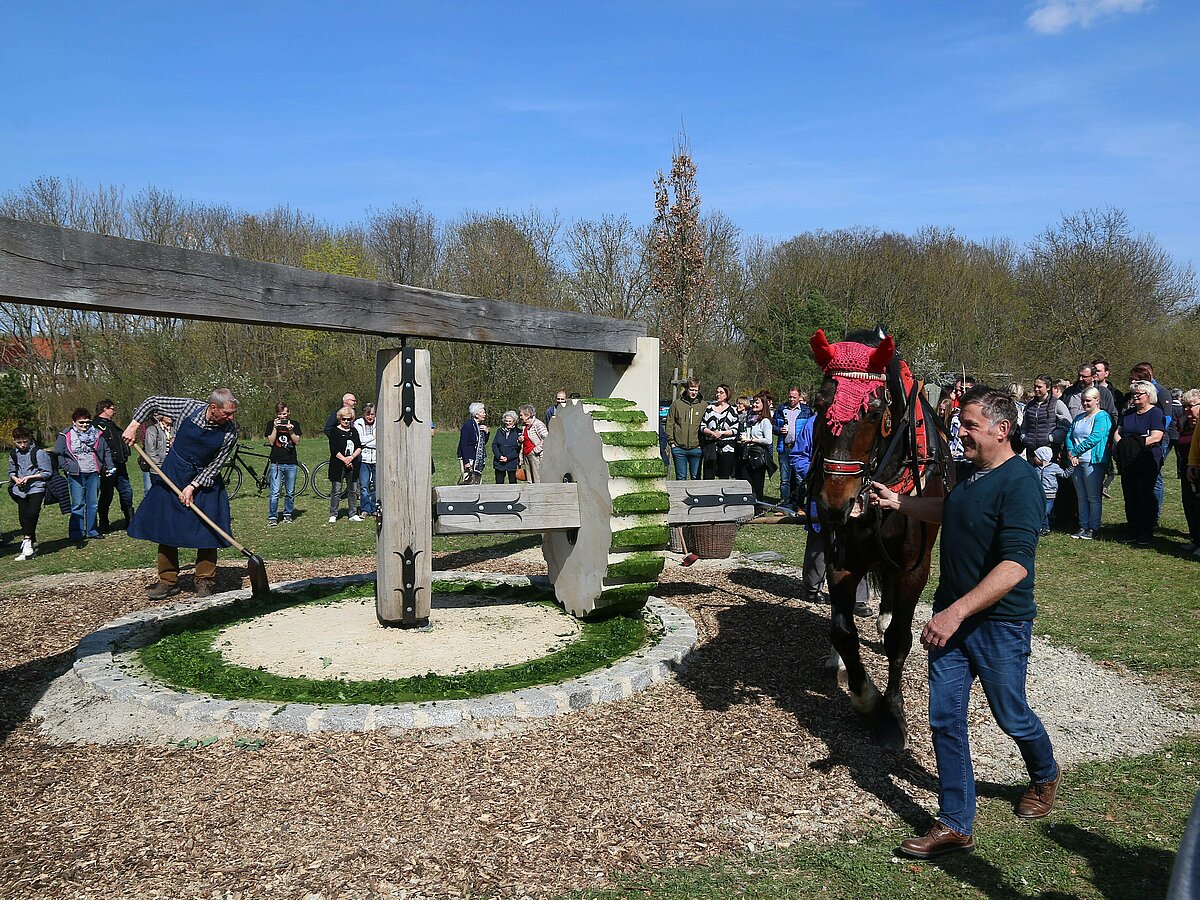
[{"x": 983, "y": 616}]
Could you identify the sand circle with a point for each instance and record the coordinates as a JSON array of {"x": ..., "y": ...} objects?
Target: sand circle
[{"x": 466, "y": 633}]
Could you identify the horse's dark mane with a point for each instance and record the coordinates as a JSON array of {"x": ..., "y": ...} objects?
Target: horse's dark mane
[{"x": 868, "y": 336}]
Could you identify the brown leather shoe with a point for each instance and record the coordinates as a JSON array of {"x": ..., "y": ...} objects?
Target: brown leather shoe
[
  {"x": 205, "y": 587},
  {"x": 162, "y": 590},
  {"x": 1038, "y": 799},
  {"x": 940, "y": 840}
]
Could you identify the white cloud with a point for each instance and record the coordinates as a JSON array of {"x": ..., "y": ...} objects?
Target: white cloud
[{"x": 1056, "y": 16}]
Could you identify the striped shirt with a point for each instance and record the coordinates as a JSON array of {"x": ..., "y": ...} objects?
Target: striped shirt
[{"x": 180, "y": 408}]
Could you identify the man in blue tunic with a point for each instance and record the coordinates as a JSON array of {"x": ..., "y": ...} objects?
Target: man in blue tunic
[
  {"x": 204, "y": 441},
  {"x": 983, "y": 614}
]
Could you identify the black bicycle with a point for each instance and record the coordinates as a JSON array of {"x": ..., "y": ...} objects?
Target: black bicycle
[
  {"x": 320, "y": 480},
  {"x": 233, "y": 471}
]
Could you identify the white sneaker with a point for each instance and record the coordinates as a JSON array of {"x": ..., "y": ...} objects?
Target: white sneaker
[
  {"x": 332, "y": 519},
  {"x": 26, "y": 550},
  {"x": 357, "y": 518}
]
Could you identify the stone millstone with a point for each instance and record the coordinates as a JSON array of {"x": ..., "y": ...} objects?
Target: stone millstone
[{"x": 614, "y": 559}]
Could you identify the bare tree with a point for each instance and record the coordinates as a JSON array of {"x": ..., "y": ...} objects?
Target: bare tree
[
  {"x": 406, "y": 244},
  {"x": 610, "y": 267}
]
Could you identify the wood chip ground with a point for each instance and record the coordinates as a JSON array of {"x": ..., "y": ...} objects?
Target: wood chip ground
[{"x": 754, "y": 746}]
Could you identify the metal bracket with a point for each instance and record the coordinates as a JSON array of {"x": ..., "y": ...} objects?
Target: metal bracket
[
  {"x": 723, "y": 499},
  {"x": 408, "y": 591},
  {"x": 480, "y": 507},
  {"x": 408, "y": 387}
]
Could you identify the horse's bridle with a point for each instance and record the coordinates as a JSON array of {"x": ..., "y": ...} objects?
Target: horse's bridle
[{"x": 873, "y": 468}]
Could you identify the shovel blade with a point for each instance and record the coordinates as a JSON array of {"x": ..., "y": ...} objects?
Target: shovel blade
[{"x": 256, "y": 570}]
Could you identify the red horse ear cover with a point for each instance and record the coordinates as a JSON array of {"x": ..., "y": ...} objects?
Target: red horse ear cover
[
  {"x": 881, "y": 355},
  {"x": 822, "y": 352}
]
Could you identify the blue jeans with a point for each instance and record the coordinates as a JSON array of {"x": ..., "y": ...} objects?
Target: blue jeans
[
  {"x": 789, "y": 483},
  {"x": 283, "y": 477},
  {"x": 366, "y": 488},
  {"x": 1089, "y": 485},
  {"x": 1046, "y": 517},
  {"x": 85, "y": 500},
  {"x": 997, "y": 653},
  {"x": 687, "y": 463}
]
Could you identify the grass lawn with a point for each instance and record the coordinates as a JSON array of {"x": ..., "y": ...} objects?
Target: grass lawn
[{"x": 1118, "y": 824}]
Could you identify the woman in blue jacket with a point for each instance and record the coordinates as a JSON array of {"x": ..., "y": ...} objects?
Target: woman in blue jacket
[{"x": 1087, "y": 447}]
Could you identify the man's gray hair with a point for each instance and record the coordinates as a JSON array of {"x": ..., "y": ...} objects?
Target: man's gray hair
[
  {"x": 223, "y": 397},
  {"x": 996, "y": 406},
  {"x": 474, "y": 409}
]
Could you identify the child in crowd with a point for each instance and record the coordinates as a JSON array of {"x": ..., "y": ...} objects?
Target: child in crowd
[
  {"x": 1050, "y": 473},
  {"x": 29, "y": 468}
]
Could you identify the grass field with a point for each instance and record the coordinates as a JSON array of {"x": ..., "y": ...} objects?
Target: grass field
[{"x": 1117, "y": 827}]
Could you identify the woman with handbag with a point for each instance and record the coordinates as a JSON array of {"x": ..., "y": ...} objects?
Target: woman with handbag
[{"x": 757, "y": 459}]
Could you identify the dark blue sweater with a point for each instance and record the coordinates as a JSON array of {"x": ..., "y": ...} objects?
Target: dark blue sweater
[{"x": 989, "y": 520}]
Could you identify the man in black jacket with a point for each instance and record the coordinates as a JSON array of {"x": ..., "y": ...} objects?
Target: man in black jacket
[{"x": 120, "y": 479}]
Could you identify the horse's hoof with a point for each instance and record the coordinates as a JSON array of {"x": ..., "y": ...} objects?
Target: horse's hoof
[{"x": 890, "y": 734}]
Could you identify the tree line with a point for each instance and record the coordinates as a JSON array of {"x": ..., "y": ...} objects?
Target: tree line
[{"x": 734, "y": 308}]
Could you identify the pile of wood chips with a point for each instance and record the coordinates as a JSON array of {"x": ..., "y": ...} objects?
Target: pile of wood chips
[{"x": 753, "y": 746}]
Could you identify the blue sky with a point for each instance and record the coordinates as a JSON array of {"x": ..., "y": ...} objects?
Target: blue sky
[{"x": 990, "y": 117}]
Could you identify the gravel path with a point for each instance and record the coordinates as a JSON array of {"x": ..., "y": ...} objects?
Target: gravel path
[{"x": 754, "y": 746}]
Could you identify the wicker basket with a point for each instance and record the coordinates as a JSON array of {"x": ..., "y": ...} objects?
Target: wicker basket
[
  {"x": 711, "y": 541},
  {"x": 675, "y": 540}
]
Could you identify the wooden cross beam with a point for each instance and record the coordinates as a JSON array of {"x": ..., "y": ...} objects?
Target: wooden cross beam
[{"x": 50, "y": 266}]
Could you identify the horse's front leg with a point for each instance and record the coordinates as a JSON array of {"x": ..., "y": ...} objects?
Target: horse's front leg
[{"x": 843, "y": 635}]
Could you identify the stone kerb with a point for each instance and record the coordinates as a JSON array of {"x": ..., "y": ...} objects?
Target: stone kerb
[{"x": 106, "y": 661}]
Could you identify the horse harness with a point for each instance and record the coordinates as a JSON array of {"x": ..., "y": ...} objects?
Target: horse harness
[{"x": 908, "y": 434}]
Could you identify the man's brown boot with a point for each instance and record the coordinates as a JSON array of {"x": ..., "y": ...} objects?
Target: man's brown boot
[
  {"x": 1038, "y": 799},
  {"x": 205, "y": 587},
  {"x": 940, "y": 840},
  {"x": 162, "y": 590}
]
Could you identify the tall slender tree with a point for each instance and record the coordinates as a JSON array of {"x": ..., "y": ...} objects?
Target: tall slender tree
[{"x": 681, "y": 281}]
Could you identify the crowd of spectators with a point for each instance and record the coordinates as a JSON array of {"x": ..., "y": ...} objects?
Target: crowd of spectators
[{"x": 1081, "y": 435}]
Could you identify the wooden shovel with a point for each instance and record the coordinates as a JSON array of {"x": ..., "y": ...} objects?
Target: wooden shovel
[{"x": 256, "y": 569}]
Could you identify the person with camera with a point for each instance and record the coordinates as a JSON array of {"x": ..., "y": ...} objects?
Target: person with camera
[{"x": 283, "y": 434}]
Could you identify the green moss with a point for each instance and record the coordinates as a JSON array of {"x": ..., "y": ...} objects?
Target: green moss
[
  {"x": 642, "y": 566},
  {"x": 641, "y": 502},
  {"x": 626, "y": 597},
  {"x": 637, "y": 468},
  {"x": 608, "y": 402},
  {"x": 621, "y": 417},
  {"x": 641, "y": 536},
  {"x": 629, "y": 438},
  {"x": 185, "y": 656}
]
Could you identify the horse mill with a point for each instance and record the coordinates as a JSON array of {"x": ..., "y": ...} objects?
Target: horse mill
[{"x": 603, "y": 505}]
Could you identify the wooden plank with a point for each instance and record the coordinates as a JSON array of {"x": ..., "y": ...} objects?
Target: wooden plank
[
  {"x": 404, "y": 551},
  {"x": 723, "y": 500},
  {"x": 51, "y": 266},
  {"x": 489, "y": 508}
]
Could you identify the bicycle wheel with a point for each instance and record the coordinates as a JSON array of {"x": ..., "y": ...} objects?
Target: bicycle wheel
[
  {"x": 320, "y": 480},
  {"x": 232, "y": 476},
  {"x": 302, "y": 479}
]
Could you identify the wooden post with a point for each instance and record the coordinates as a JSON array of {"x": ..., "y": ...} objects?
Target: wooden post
[{"x": 404, "y": 485}]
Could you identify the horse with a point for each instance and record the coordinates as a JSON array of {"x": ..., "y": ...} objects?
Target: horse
[{"x": 874, "y": 424}]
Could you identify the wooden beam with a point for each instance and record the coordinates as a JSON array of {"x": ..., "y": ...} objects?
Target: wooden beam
[
  {"x": 695, "y": 502},
  {"x": 489, "y": 508},
  {"x": 45, "y": 265},
  {"x": 404, "y": 548}
]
